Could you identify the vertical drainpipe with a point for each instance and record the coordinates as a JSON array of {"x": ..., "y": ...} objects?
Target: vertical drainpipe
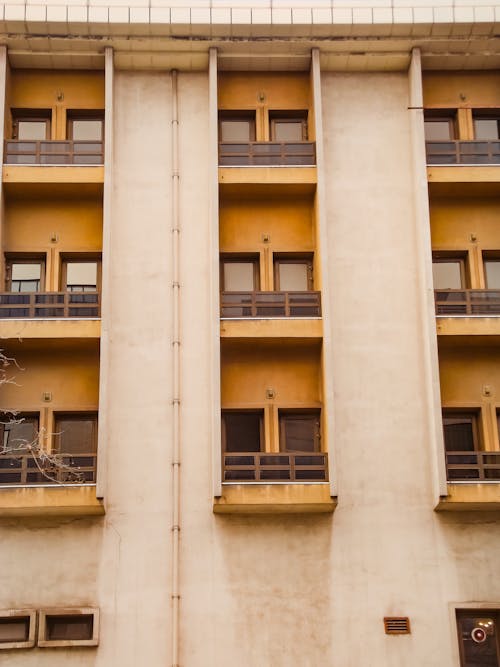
[
  {"x": 176, "y": 400},
  {"x": 106, "y": 302},
  {"x": 424, "y": 275}
]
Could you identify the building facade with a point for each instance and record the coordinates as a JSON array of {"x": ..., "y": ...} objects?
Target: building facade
[{"x": 251, "y": 315}]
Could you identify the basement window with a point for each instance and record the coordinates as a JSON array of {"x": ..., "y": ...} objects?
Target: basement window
[
  {"x": 68, "y": 627},
  {"x": 17, "y": 628}
]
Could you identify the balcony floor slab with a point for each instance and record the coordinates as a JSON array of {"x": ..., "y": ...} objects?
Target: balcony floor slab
[
  {"x": 49, "y": 328},
  {"x": 467, "y": 497},
  {"x": 274, "y": 499},
  {"x": 33, "y": 501}
]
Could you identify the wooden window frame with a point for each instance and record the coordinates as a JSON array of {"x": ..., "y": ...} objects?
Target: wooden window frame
[
  {"x": 288, "y": 117},
  {"x": 255, "y": 411},
  {"x": 238, "y": 115},
  {"x": 486, "y": 114},
  {"x": 11, "y": 259},
  {"x": 459, "y": 257},
  {"x": 81, "y": 258},
  {"x": 33, "y": 115},
  {"x": 91, "y": 415},
  {"x": 7, "y": 615},
  {"x": 439, "y": 115},
  {"x": 284, "y": 258},
  {"x": 465, "y": 413},
  {"x": 312, "y": 413},
  {"x": 84, "y": 114},
  {"x": 35, "y": 416},
  {"x": 240, "y": 259},
  {"x": 489, "y": 256},
  {"x": 479, "y": 611},
  {"x": 45, "y": 614}
]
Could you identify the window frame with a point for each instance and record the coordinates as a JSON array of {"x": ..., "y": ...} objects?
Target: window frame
[
  {"x": 459, "y": 257},
  {"x": 84, "y": 114},
  {"x": 240, "y": 259},
  {"x": 11, "y": 259},
  {"x": 465, "y": 413},
  {"x": 91, "y": 415},
  {"x": 30, "y": 615},
  {"x": 34, "y": 115},
  {"x": 475, "y": 610},
  {"x": 486, "y": 114},
  {"x": 489, "y": 256},
  {"x": 301, "y": 413},
  {"x": 288, "y": 116},
  {"x": 440, "y": 115},
  {"x": 79, "y": 259},
  {"x": 35, "y": 416},
  {"x": 45, "y": 614},
  {"x": 236, "y": 115},
  {"x": 254, "y": 411},
  {"x": 284, "y": 258}
]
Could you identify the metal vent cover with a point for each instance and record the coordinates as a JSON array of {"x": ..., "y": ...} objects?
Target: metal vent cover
[{"x": 397, "y": 625}]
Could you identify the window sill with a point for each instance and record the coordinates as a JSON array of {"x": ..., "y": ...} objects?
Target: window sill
[
  {"x": 75, "y": 500},
  {"x": 275, "y": 499},
  {"x": 467, "y": 496}
]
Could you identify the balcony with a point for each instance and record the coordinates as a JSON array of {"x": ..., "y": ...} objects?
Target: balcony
[
  {"x": 54, "y": 152},
  {"x": 473, "y": 466},
  {"x": 17, "y": 305},
  {"x": 275, "y": 467},
  {"x": 27, "y": 470},
  {"x": 270, "y": 304},
  {"x": 462, "y": 152},
  {"x": 267, "y": 153},
  {"x": 468, "y": 302}
]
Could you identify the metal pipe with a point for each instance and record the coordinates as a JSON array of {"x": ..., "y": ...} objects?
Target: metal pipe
[{"x": 176, "y": 399}]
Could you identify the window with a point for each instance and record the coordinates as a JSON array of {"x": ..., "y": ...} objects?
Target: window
[
  {"x": 237, "y": 126},
  {"x": 31, "y": 124},
  {"x": 448, "y": 271},
  {"x": 85, "y": 125},
  {"x": 478, "y": 637},
  {"x": 288, "y": 126},
  {"x": 81, "y": 275},
  {"x": 18, "y": 430},
  {"x": 439, "y": 125},
  {"x": 492, "y": 272},
  {"x": 300, "y": 431},
  {"x": 68, "y": 627},
  {"x": 242, "y": 431},
  {"x": 486, "y": 125},
  {"x": 24, "y": 275},
  {"x": 17, "y": 628},
  {"x": 293, "y": 274},
  {"x": 460, "y": 431},
  {"x": 239, "y": 274},
  {"x": 75, "y": 433}
]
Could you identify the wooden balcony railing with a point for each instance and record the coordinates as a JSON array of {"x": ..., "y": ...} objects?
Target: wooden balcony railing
[
  {"x": 279, "y": 467},
  {"x": 27, "y": 470},
  {"x": 270, "y": 304},
  {"x": 49, "y": 304},
  {"x": 267, "y": 153},
  {"x": 485, "y": 302},
  {"x": 463, "y": 152},
  {"x": 54, "y": 152},
  {"x": 473, "y": 466}
]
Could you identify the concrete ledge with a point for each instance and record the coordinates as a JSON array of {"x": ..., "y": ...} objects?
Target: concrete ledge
[
  {"x": 471, "y": 497},
  {"x": 46, "y": 329},
  {"x": 268, "y": 175},
  {"x": 464, "y": 174},
  {"x": 49, "y": 501},
  {"x": 269, "y": 328},
  {"x": 40, "y": 174},
  {"x": 274, "y": 499}
]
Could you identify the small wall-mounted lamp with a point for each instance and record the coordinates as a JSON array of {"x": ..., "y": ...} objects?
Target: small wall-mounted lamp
[
  {"x": 261, "y": 96},
  {"x": 270, "y": 393},
  {"x": 473, "y": 237},
  {"x": 266, "y": 237},
  {"x": 487, "y": 390},
  {"x": 54, "y": 237},
  {"x": 59, "y": 95},
  {"x": 463, "y": 97},
  {"x": 47, "y": 396}
]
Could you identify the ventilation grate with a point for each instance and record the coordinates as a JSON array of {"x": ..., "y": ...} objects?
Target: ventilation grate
[{"x": 397, "y": 625}]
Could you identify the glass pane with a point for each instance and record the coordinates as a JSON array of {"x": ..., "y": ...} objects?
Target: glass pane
[
  {"x": 438, "y": 130},
  {"x": 239, "y": 276},
  {"x": 31, "y": 130},
  {"x": 478, "y": 638},
  {"x": 300, "y": 433},
  {"x": 293, "y": 277},
  {"x": 242, "y": 431},
  {"x": 287, "y": 130},
  {"x": 81, "y": 276},
  {"x": 26, "y": 277},
  {"x": 447, "y": 275},
  {"x": 235, "y": 130},
  {"x": 14, "y": 629},
  {"x": 75, "y": 436},
  {"x": 87, "y": 130},
  {"x": 486, "y": 129},
  {"x": 492, "y": 270},
  {"x": 67, "y": 627},
  {"x": 459, "y": 433},
  {"x": 20, "y": 434}
]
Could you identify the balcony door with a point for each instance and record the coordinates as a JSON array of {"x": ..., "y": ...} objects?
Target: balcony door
[{"x": 24, "y": 274}]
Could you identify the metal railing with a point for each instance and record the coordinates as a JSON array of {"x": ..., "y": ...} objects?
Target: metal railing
[
  {"x": 279, "y": 467},
  {"x": 485, "y": 302},
  {"x": 30, "y": 470},
  {"x": 463, "y": 152},
  {"x": 270, "y": 304},
  {"x": 473, "y": 466},
  {"x": 267, "y": 153},
  {"x": 54, "y": 152},
  {"x": 49, "y": 304}
]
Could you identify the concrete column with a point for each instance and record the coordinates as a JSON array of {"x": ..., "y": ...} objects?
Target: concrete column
[{"x": 3, "y": 87}]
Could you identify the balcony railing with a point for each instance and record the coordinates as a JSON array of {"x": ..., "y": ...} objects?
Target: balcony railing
[
  {"x": 279, "y": 467},
  {"x": 28, "y": 470},
  {"x": 473, "y": 466},
  {"x": 54, "y": 152},
  {"x": 49, "y": 304},
  {"x": 463, "y": 152},
  {"x": 270, "y": 304},
  {"x": 267, "y": 153},
  {"x": 484, "y": 302}
]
